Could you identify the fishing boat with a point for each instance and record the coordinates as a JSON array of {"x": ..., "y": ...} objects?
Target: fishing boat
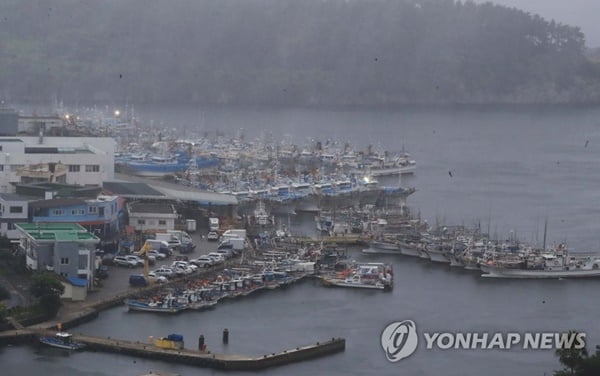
[
  {"x": 356, "y": 281},
  {"x": 157, "y": 165},
  {"x": 547, "y": 266},
  {"x": 376, "y": 276},
  {"x": 383, "y": 246},
  {"x": 62, "y": 340},
  {"x": 166, "y": 304}
]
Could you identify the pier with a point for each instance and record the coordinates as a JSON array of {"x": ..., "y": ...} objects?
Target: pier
[{"x": 186, "y": 356}]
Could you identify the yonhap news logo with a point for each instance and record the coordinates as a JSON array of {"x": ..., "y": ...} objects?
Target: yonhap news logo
[{"x": 400, "y": 339}]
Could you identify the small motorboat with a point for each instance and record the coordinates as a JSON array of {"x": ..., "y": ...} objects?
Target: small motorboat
[{"x": 62, "y": 340}]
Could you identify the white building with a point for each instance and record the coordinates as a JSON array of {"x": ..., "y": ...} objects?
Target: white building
[
  {"x": 158, "y": 217},
  {"x": 90, "y": 160},
  {"x": 13, "y": 209}
]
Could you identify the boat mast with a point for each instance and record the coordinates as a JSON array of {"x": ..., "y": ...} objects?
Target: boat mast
[{"x": 545, "y": 232}]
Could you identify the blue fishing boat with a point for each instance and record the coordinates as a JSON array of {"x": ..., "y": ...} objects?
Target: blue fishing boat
[
  {"x": 166, "y": 304},
  {"x": 62, "y": 340}
]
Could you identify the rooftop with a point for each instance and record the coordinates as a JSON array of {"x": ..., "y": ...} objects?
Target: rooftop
[
  {"x": 127, "y": 189},
  {"x": 151, "y": 207},
  {"x": 16, "y": 197},
  {"x": 57, "y": 231}
]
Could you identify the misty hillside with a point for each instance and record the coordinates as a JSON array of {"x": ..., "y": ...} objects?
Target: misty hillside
[{"x": 299, "y": 52}]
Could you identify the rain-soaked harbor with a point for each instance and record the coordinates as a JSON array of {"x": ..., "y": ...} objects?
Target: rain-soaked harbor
[{"x": 509, "y": 176}]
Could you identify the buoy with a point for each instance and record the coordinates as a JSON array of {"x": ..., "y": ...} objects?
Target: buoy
[{"x": 225, "y": 336}]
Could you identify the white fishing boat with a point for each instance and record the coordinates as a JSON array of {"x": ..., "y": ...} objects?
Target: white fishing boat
[
  {"x": 552, "y": 266},
  {"x": 356, "y": 281},
  {"x": 375, "y": 276}
]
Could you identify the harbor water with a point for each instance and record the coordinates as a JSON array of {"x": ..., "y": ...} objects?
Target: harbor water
[{"x": 505, "y": 169}]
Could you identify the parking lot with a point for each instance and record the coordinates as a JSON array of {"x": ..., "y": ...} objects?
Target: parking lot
[{"x": 118, "y": 276}]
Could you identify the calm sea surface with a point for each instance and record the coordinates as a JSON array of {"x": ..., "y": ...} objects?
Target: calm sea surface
[{"x": 511, "y": 169}]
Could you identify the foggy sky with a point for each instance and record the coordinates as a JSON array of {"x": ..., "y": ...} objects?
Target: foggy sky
[{"x": 582, "y": 13}]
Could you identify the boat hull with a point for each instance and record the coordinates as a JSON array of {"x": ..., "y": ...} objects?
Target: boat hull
[
  {"x": 53, "y": 342},
  {"x": 438, "y": 257},
  {"x": 495, "y": 272},
  {"x": 406, "y": 251},
  {"x": 142, "y": 307},
  {"x": 342, "y": 283},
  {"x": 380, "y": 251}
]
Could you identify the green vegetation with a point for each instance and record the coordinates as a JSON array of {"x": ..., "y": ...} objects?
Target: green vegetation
[
  {"x": 4, "y": 293},
  {"x": 3, "y": 312},
  {"x": 47, "y": 288},
  {"x": 577, "y": 362},
  {"x": 311, "y": 52}
]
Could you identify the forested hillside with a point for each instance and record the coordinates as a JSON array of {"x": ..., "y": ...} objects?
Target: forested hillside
[{"x": 308, "y": 52}]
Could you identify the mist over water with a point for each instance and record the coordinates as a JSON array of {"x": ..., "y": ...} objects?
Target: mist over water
[{"x": 512, "y": 167}]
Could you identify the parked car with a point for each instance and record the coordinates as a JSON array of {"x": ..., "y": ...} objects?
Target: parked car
[
  {"x": 164, "y": 271},
  {"x": 138, "y": 261},
  {"x": 157, "y": 255},
  {"x": 138, "y": 280},
  {"x": 124, "y": 261},
  {"x": 204, "y": 261},
  {"x": 227, "y": 253},
  {"x": 185, "y": 264},
  {"x": 154, "y": 278},
  {"x": 213, "y": 236},
  {"x": 218, "y": 257},
  {"x": 187, "y": 248},
  {"x": 182, "y": 270}
]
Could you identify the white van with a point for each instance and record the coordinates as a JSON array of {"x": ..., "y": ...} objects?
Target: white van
[
  {"x": 160, "y": 246},
  {"x": 213, "y": 224}
]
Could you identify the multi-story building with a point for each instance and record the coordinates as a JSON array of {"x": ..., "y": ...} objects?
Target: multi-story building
[
  {"x": 14, "y": 208},
  {"x": 155, "y": 216},
  {"x": 98, "y": 215},
  {"x": 67, "y": 249},
  {"x": 89, "y": 160}
]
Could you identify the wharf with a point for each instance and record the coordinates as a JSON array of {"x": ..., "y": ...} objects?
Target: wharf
[{"x": 186, "y": 356}]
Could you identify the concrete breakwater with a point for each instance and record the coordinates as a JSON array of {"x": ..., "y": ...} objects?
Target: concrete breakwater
[{"x": 186, "y": 356}]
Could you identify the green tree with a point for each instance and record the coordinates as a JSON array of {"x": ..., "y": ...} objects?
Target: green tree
[
  {"x": 577, "y": 362},
  {"x": 571, "y": 358},
  {"x": 3, "y": 311},
  {"x": 47, "y": 288}
]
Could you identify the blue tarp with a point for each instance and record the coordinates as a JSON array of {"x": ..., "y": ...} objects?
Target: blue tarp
[{"x": 81, "y": 282}]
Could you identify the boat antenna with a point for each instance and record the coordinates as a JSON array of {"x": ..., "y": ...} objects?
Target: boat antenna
[{"x": 545, "y": 232}]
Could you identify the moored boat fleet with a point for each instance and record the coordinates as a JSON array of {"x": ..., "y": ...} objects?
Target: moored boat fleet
[{"x": 460, "y": 247}]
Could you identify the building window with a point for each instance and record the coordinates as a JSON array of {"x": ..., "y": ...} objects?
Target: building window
[
  {"x": 11, "y": 226},
  {"x": 16, "y": 209},
  {"x": 141, "y": 221},
  {"x": 58, "y": 212},
  {"x": 77, "y": 212},
  {"x": 92, "y": 168},
  {"x": 74, "y": 168},
  {"x": 1, "y": 167},
  {"x": 93, "y": 209},
  {"x": 64, "y": 261},
  {"x": 162, "y": 222}
]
